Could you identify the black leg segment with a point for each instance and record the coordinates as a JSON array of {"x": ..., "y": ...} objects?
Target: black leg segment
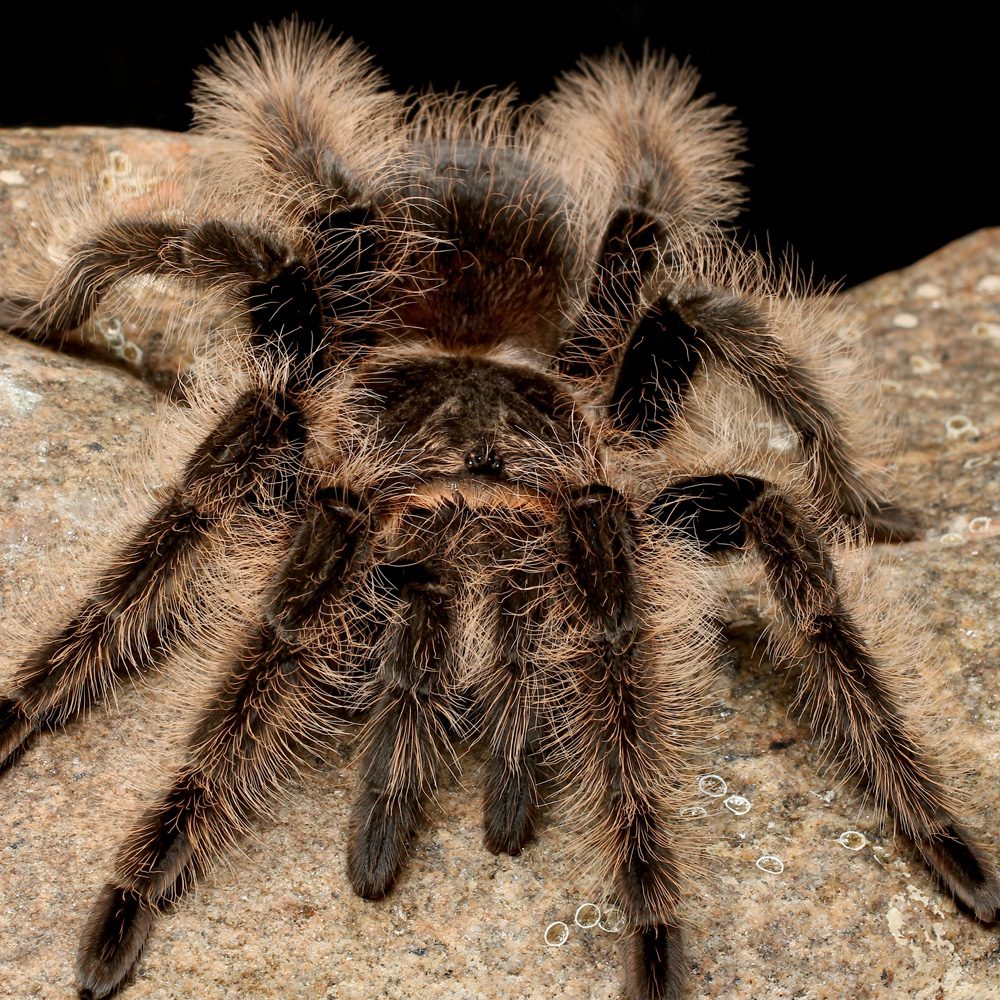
[
  {"x": 660, "y": 360},
  {"x": 708, "y": 510}
]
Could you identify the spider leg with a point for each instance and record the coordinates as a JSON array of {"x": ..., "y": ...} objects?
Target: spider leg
[
  {"x": 130, "y": 620},
  {"x": 852, "y": 699},
  {"x": 621, "y": 717},
  {"x": 276, "y": 706},
  {"x": 250, "y": 459},
  {"x": 630, "y": 252},
  {"x": 307, "y": 123},
  {"x": 278, "y": 284},
  {"x": 510, "y": 803},
  {"x": 692, "y": 326},
  {"x": 659, "y": 164},
  {"x": 304, "y": 115},
  {"x": 648, "y": 376},
  {"x": 411, "y": 719}
]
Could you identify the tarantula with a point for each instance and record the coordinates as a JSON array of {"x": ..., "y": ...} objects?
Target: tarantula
[{"x": 441, "y": 480}]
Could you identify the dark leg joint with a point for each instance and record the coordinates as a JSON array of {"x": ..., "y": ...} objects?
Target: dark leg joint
[
  {"x": 709, "y": 510},
  {"x": 629, "y": 253},
  {"x": 659, "y": 363},
  {"x": 404, "y": 580}
]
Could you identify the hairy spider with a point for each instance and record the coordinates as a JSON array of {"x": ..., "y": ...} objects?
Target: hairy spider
[{"x": 445, "y": 475}]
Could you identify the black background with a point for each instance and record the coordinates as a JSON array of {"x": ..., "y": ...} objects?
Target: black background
[{"x": 870, "y": 143}]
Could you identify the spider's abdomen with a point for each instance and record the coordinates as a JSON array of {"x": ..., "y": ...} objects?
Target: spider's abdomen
[{"x": 506, "y": 263}]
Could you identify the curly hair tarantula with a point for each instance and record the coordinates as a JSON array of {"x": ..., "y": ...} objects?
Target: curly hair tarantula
[{"x": 442, "y": 481}]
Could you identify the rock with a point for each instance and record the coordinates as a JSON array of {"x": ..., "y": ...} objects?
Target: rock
[
  {"x": 119, "y": 171},
  {"x": 281, "y": 920}
]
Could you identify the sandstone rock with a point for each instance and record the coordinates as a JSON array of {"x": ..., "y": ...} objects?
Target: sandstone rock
[{"x": 281, "y": 920}]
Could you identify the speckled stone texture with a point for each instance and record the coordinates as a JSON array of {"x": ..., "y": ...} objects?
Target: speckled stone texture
[{"x": 280, "y": 921}]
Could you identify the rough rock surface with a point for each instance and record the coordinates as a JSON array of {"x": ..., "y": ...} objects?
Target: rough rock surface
[{"x": 281, "y": 921}]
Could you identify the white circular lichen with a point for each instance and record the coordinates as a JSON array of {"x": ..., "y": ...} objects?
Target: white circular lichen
[
  {"x": 771, "y": 864},
  {"x": 587, "y": 915},
  {"x": 132, "y": 353},
  {"x": 853, "y": 840},
  {"x": 737, "y": 804},
  {"x": 958, "y": 426},
  {"x": 921, "y": 365},
  {"x": 556, "y": 934},
  {"x": 713, "y": 785},
  {"x": 986, "y": 331}
]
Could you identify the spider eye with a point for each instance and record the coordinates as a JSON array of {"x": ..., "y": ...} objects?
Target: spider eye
[{"x": 483, "y": 459}]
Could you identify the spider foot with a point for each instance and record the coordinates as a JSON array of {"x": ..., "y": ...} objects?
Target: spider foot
[
  {"x": 116, "y": 931},
  {"x": 20, "y": 315},
  {"x": 17, "y": 730},
  {"x": 963, "y": 870},
  {"x": 508, "y": 813},
  {"x": 380, "y": 836},
  {"x": 654, "y": 963},
  {"x": 884, "y": 522}
]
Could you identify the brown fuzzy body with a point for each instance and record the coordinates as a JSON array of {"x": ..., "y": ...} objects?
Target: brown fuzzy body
[{"x": 449, "y": 479}]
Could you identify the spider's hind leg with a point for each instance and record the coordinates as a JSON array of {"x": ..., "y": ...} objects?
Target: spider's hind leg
[{"x": 855, "y": 702}]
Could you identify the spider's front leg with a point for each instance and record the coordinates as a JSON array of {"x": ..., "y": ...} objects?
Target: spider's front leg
[
  {"x": 855, "y": 702},
  {"x": 278, "y": 284},
  {"x": 250, "y": 459},
  {"x": 626, "y": 718},
  {"x": 278, "y": 703},
  {"x": 412, "y": 717},
  {"x": 133, "y": 616},
  {"x": 509, "y": 696}
]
